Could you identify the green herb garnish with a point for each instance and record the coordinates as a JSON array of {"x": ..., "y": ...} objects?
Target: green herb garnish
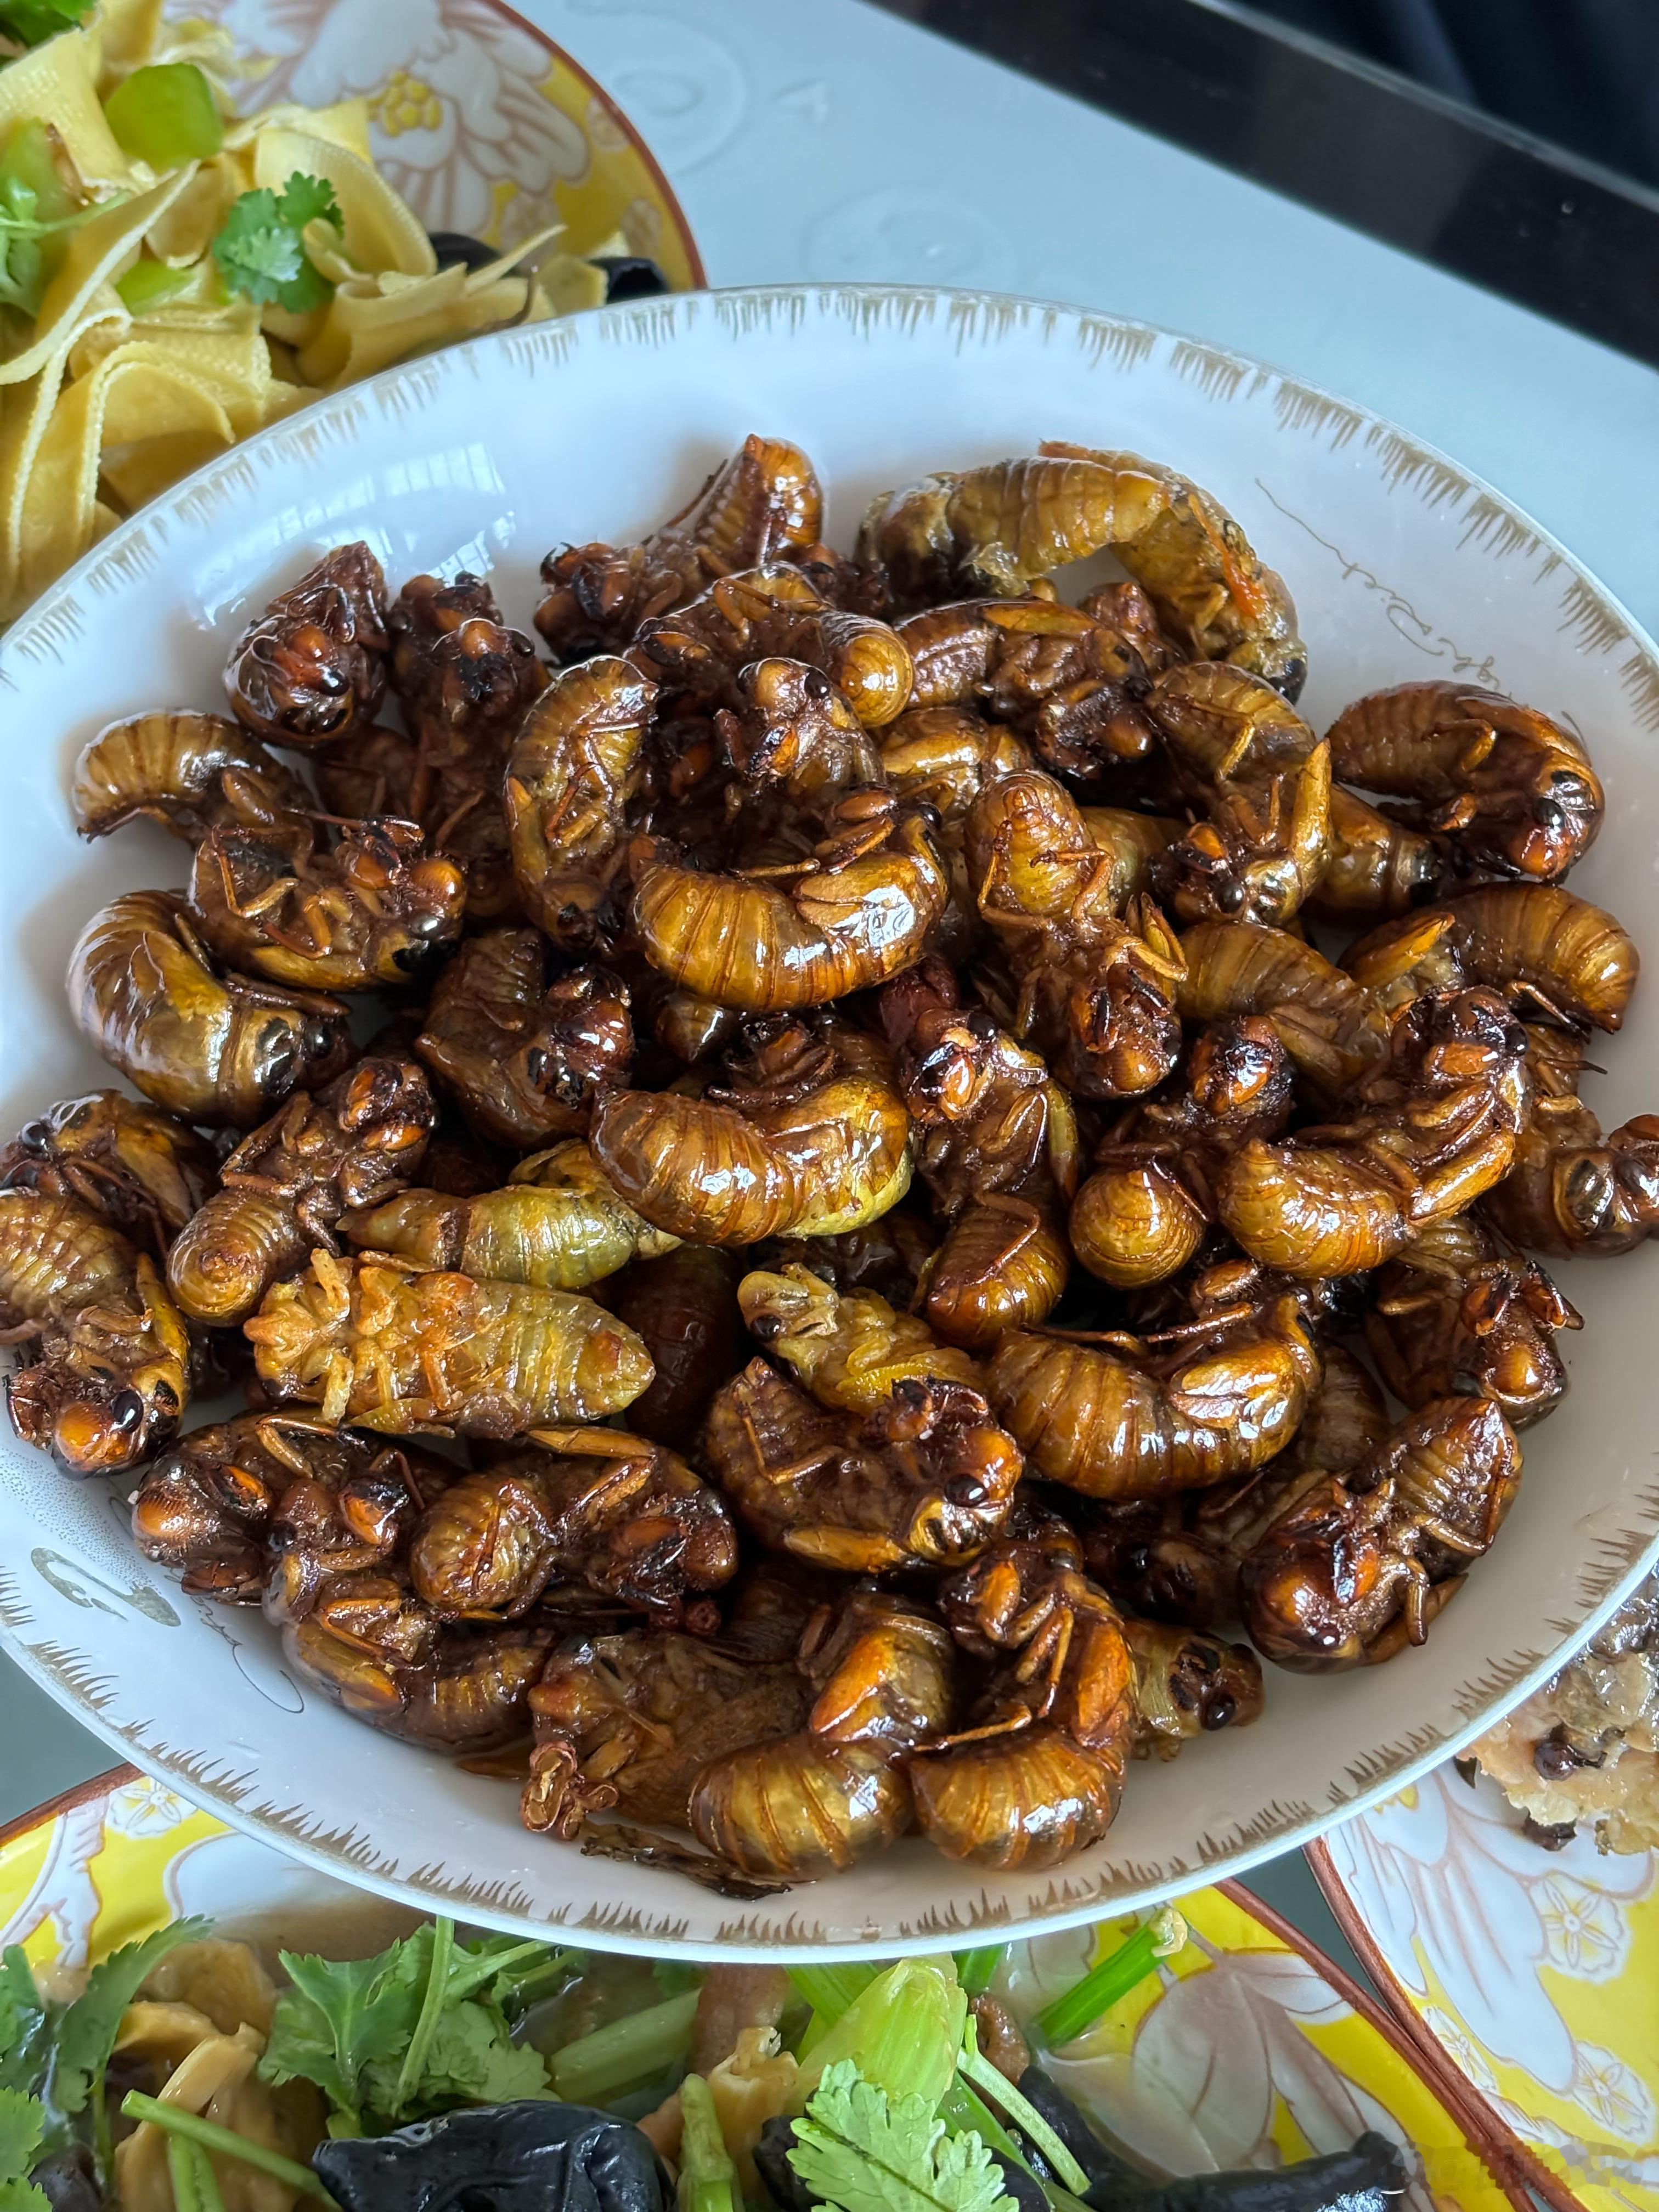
[
  {"x": 260, "y": 247},
  {"x": 22, "y": 2126},
  {"x": 53, "y": 2057},
  {"x": 1114, "y": 1977},
  {"x": 421, "y": 2028},
  {"x": 861, "y": 2150},
  {"x": 28, "y": 22}
]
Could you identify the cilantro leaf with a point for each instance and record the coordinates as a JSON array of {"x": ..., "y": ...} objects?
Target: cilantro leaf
[
  {"x": 22, "y": 2124},
  {"x": 470, "y": 2060},
  {"x": 29, "y": 21},
  {"x": 259, "y": 248},
  {"x": 414, "y": 2031},
  {"x": 307, "y": 199},
  {"x": 859, "y": 2150},
  {"x": 88, "y": 2029},
  {"x": 23, "y": 2042},
  {"x": 342, "y": 2015}
]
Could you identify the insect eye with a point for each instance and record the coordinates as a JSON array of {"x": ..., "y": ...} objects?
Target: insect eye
[
  {"x": 35, "y": 1137},
  {"x": 1218, "y": 1711},
  {"x": 126, "y": 1411}
]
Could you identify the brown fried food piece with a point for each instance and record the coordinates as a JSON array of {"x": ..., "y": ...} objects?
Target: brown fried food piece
[
  {"x": 141, "y": 1169},
  {"x": 762, "y": 505},
  {"x": 314, "y": 665},
  {"x": 524, "y": 1054},
  {"x": 285, "y": 1187}
]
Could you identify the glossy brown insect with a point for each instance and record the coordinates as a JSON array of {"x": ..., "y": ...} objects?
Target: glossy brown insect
[
  {"x": 525, "y": 1054},
  {"x": 105, "y": 1358},
  {"x": 925, "y": 1477},
  {"x": 624, "y": 1723},
  {"x": 1575, "y": 1191},
  {"x": 375, "y": 907},
  {"x": 1542, "y": 946},
  {"x": 1428, "y": 1131},
  {"x": 999, "y": 527},
  {"x": 557, "y": 1223},
  {"x": 1039, "y": 1774},
  {"x": 831, "y": 1793},
  {"x": 1332, "y": 1027},
  {"x": 850, "y": 1348},
  {"x": 467, "y": 1692},
  {"x": 762, "y": 503},
  {"x": 286, "y": 1185},
  {"x": 772, "y": 611},
  {"x": 314, "y": 665},
  {"x": 1176, "y": 1557},
  {"x": 810, "y": 1145},
  {"x": 683, "y": 1307},
  {"x": 626, "y": 1518},
  {"x": 143, "y": 1171},
  {"x": 1188, "y": 1683},
  {"x": 793, "y": 734},
  {"x": 463, "y": 679},
  {"x": 1070, "y": 680},
  {"x": 887, "y": 1256},
  {"x": 170, "y": 766},
  {"x": 207, "y": 1045},
  {"x": 1356, "y": 1568},
  {"x": 997, "y": 1146},
  {"x": 1094, "y": 991},
  {"x": 1264, "y": 782},
  {"x": 1455, "y": 1317},
  {"x": 282, "y": 1494},
  {"x": 1150, "y": 1203},
  {"x": 1118, "y": 1417},
  {"x": 1377, "y": 868},
  {"x": 1512, "y": 789},
  {"x": 574, "y": 774},
  {"x": 943, "y": 757},
  {"x": 388, "y": 1348},
  {"x": 847, "y": 915},
  {"x": 462, "y": 676}
]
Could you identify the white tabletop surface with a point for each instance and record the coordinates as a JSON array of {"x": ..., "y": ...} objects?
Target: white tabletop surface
[{"x": 830, "y": 140}]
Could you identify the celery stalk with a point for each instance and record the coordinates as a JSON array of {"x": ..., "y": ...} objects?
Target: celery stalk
[
  {"x": 903, "y": 2033},
  {"x": 207, "y": 2181},
  {"x": 181, "y": 2173},
  {"x": 708, "y": 2180},
  {"x": 149, "y": 284},
  {"x": 976, "y": 1970},
  {"x": 830, "y": 1989},
  {"x": 1020, "y": 2112},
  {"x": 166, "y": 115},
  {"x": 602, "y": 2065},
  {"x": 1071, "y": 2016},
  {"x": 174, "y": 2120}
]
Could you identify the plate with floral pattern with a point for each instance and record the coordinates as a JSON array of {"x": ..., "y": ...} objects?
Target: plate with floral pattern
[
  {"x": 1249, "y": 2048},
  {"x": 478, "y": 119},
  {"x": 1535, "y": 1973}
]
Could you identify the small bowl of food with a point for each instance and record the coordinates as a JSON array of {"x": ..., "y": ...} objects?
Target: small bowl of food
[
  {"x": 819, "y": 1241},
  {"x": 209, "y": 221},
  {"x": 190, "y": 2020}
]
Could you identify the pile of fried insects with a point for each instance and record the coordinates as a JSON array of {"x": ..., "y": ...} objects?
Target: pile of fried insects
[
  {"x": 455, "y": 2074},
  {"x": 861, "y": 1151}
]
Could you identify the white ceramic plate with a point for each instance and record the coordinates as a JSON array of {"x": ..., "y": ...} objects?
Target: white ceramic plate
[{"x": 1403, "y": 566}]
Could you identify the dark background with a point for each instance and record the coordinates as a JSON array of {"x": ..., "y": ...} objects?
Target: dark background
[{"x": 1582, "y": 74}]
